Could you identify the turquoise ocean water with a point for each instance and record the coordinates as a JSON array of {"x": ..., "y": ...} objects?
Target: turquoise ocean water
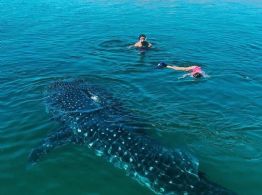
[{"x": 218, "y": 119}]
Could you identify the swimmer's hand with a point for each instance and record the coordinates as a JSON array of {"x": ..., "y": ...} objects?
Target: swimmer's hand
[
  {"x": 161, "y": 65},
  {"x": 130, "y": 46},
  {"x": 184, "y": 76}
]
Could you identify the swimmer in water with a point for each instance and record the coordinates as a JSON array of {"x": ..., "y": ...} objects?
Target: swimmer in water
[
  {"x": 195, "y": 71},
  {"x": 142, "y": 43}
]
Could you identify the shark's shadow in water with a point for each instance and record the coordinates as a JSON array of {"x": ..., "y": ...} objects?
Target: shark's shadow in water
[{"x": 90, "y": 115}]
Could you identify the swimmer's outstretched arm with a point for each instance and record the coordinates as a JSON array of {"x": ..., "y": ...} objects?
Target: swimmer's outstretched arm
[
  {"x": 181, "y": 68},
  {"x": 130, "y": 46},
  {"x": 137, "y": 44}
]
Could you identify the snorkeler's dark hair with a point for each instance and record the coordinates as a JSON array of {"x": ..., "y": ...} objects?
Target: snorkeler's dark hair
[
  {"x": 197, "y": 75},
  {"x": 142, "y": 35}
]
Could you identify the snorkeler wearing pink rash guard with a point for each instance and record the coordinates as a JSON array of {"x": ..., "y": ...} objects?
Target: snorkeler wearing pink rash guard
[{"x": 195, "y": 71}]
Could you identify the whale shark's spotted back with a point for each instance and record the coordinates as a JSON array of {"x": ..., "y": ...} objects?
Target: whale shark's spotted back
[{"x": 91, "y": 116}]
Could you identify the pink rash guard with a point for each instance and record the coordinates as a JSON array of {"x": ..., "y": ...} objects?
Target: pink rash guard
[{"x": 195, "y": 70}]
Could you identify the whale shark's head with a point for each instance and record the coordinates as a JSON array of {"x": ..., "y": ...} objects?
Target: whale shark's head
[
  {"x": 74, "y": 96},
  {"x": 79, "y": 103}
]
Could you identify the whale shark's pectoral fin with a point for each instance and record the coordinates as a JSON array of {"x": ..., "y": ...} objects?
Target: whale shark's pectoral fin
[{"x": 52, "y": 141}]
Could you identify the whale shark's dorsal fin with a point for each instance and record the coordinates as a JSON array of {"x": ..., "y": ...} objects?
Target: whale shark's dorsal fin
[{"x": 59, "y": 138}]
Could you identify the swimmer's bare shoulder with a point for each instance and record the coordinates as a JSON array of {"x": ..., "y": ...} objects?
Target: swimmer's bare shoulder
[{"x": 138, "y": 44}]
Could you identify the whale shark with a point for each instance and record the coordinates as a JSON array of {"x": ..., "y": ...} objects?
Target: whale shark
[{"x": 90, "y": 115}]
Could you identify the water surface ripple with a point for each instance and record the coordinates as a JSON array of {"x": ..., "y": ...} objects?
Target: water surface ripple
[{"x": 218, "y": 119}]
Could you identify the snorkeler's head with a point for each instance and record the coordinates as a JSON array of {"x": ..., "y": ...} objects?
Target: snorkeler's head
[
  {"x": 142, "y": 37},
  {"x": 197, "y": 75}
]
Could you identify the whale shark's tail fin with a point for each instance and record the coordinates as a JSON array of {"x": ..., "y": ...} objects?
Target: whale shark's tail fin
[{"x": 59, "y": 138}]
